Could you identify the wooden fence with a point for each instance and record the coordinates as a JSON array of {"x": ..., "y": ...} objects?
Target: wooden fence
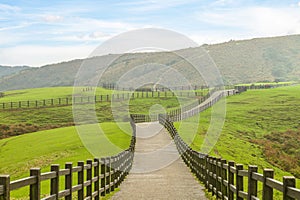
[
  {"x": 95, "y": 178},
  {"x": 243, "y": 88},
  {"x": 226, "y": 180},
  {"x": 189, "y": 110},
  {"x": 193, "y": 109},
  {"x": 66, "y": 101},
  {"x": 114, "y": 86}
]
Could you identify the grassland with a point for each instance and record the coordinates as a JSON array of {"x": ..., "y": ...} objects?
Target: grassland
[
  {"x": 25, "y": 120},
  {"x": 254, "y": 124},
  {"x": 63, "y": 92},
  {"x": 256, "y": 115},
  {"x": 40, "y": 149},
  {"x": 267, "y": 83}
]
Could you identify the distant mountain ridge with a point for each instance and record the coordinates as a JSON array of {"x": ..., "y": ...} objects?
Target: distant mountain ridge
[
  {"x": 244, "y": 61},
  {"x": 8, "y": 70}
]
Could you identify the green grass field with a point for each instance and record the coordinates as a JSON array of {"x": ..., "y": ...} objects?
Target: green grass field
[
  {"x": 40, "y": 149},
  {"x": 63, "y": 92},
  {"x": 46, "y": 93},
  {"x": 25, "y": 120},
  {"x": 250, "y": 116},
  {"x": 267, "y": 83}
]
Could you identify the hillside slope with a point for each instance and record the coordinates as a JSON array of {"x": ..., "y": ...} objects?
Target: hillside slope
[
  {"x": 262, "y": 59},
  {"x": 7, "y": 71}
]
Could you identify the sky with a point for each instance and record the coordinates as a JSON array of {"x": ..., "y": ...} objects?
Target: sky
[{"x": 37, "y": 33}]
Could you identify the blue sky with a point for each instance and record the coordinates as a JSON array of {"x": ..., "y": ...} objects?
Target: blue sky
[{"x": 36, "y": 33}]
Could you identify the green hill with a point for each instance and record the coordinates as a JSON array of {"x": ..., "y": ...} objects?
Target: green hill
[
  {"x": 7, "y": 71},
  {"x": 43, "y": 148},
  {"x": 245, "y": 61},
  {"x": 261, "y": 128}
]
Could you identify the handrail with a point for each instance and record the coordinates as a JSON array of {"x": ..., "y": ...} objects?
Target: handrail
[
  {"x": 225, "y": 179},
  {"x": 98, "y": 176}
]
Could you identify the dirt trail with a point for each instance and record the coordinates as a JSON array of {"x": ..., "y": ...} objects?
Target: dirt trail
[{"x": 158, "y": 172}]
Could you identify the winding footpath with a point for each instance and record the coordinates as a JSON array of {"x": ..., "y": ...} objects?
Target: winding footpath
[{"x": 158, "y": 172}]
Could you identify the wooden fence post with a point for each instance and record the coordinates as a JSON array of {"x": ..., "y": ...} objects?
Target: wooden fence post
[
  {"x": 68, "y": 180},
  {"x": 80, "y": 180},
  {"x": 239, "y": 180},
  {"x": 252, "y": 184},
  {"x": 5, "y": 181},
  {"x": 103, "y": 173},
  {"x": 35, "y": 189},
  {"x": 89, "y": 174},
  {"x": 97, "y": 182},
  {"x": 230, "y": 180},
  {"x": 214, "y": 173},
  {"x": 113, "y": 175},
  {"x": 224, "y": 178},
  {"x": 218, "y": 176},
  {"x": 110, "y": 175},
  {"x": 267, "y": 191},
  {"x": 288, "y": 181},
  {"x": 55, "y": 181},
  {"x": 206, "y": 171}
]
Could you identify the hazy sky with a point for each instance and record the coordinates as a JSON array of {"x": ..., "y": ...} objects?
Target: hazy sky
[{"x": 40, "y": 32}]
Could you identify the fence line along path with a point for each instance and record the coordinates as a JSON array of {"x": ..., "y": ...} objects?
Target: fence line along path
[{"x": 158, "y": 172}]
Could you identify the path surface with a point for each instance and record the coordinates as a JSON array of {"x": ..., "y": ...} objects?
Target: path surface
[{"x": 158, "y": 172}]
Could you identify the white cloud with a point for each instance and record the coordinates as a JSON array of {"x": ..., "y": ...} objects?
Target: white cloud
[
  {"x": 8, "y": 8},
  {"x": 260, "y": 21},
  {"x": 53, "y": 18},
  {"x": 222, "y": 2},
  {"x": 153, "y": 5},
  {"x": 42, "y": 55},
  {"x": 84, "y": 29}
]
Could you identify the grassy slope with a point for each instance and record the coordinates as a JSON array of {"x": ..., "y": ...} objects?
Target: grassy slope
[
  {"x": 250, "y": 115},
  {"x": 63, "y": 116},
  {"x": 63, "y": 92},
  {"x": 265, "y": 83},
  {"x": 26, "y": 120},
  {"x": 40, "y": 149},
  {"x": 45, "y": 93}
]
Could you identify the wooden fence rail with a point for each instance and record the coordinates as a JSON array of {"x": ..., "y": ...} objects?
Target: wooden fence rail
[
  {"x": 189, "y": 110},
  {"x": 95, "y": 178},
  {"x": 261, "y": 86},
  {"x": 225, "y": 179},
  {"x": 66, "y": 101},
  {"x": 195, "y": 108}
]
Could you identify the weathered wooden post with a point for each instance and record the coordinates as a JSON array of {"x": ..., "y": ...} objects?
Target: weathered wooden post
[
  {"x": 239, "y": 181},
  {"x": 108, "y": 170},
  {"x": 80, "y": 180},
  {"x": 69, "y": 180},
  {"x": 35, "y": 189},
  {"x": 267, "y": 191},
  {"x": 230, "y": 180},
  {"x": 252, "y": 184},
  {"x": 288, "y": 181},
  {"x": 89, "y": 174},
  {"x": 103, "y": 174},
  {"x": 96, "y": 175},
  {"x": 224, "y": 178},
  {"x": 218, "y": 176},
  {"x": 214, "y": 172},
  {"x": 54, "y": 183},
  {"x": 5, "y": 181}
]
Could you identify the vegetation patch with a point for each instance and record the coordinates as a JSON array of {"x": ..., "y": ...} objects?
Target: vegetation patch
[
  {"x": 9, "y": 130},
  {"x": 282, "y": 150}
]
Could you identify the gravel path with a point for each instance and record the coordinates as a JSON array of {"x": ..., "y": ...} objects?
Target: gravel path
[{"x": 158, "y": 172}]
